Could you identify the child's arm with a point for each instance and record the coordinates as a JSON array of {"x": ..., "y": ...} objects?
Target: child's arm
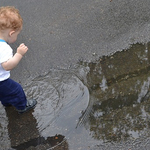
[{"x": 13, "y": 62}]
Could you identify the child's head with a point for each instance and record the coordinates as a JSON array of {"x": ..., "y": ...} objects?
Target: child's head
[
  {"x": 10, "y": 18},
  {"x": 10, "y": 23}
]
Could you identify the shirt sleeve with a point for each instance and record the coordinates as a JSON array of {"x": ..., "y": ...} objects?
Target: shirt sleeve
[{"x": 6, "y": 53}]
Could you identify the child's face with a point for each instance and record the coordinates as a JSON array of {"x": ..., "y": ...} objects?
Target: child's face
[{"x": 13, "y": 36}]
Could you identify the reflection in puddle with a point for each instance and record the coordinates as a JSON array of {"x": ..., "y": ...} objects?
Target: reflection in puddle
[
  {"x": 119, "y": 88},
  {"x": 62, "y": 99},
  {"x": 94, "y": 104}
]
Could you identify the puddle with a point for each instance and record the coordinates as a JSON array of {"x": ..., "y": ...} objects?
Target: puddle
[
  {"x": 62, "y": 98},
  {"x": 98, "y": 105},
  {"x": 119, "y": 88}
]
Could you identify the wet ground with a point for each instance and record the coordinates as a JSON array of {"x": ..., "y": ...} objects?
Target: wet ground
[
  {"x": 59, "y": 33},
  {"x": 88, "y": 68},
  {"x": 100, "y": 105}
]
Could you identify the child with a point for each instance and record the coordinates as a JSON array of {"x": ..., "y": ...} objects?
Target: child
[{"x": 11, "y": 92}]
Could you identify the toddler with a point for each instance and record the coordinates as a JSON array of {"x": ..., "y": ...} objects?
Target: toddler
[{"x": 11, "y": 92}]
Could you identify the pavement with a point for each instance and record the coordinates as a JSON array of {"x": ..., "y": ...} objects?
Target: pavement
[{"x": 60, "y": 33}]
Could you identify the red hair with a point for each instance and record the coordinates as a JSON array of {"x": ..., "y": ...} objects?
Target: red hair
[{"x": 10, "y": 18}]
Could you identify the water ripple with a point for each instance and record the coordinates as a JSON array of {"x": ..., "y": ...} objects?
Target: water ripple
[{"x": 62, "y": 98}]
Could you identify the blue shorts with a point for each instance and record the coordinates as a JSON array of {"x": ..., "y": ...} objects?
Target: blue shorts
[{"x": 11, "y": 93}]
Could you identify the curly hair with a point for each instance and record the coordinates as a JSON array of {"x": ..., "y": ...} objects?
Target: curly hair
[{"x": 10, "y": 18}]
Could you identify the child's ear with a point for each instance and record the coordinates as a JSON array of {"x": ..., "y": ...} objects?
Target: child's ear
[{"x": 11, "y": 33}]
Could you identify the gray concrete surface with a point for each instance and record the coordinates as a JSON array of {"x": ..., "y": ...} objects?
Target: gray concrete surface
[{"x": 61, "y": 32}]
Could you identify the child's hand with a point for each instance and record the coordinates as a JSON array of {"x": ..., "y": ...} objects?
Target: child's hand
[{"x": 22, "y": 49}]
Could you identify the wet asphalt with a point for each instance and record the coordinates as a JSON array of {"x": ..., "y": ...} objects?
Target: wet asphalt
[{"x": 60, "y": 33}]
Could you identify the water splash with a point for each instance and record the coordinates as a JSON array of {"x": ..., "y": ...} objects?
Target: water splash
[{"x": 62, "y": 98}]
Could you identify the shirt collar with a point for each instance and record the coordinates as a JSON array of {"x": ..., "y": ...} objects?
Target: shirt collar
[{"x": 2, "y": 40}]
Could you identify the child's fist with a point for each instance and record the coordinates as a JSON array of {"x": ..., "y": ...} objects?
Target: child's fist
[{"x": 22, "y": 49}]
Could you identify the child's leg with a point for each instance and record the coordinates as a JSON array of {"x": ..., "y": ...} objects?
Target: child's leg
[{"x": 12, "y": 93}]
